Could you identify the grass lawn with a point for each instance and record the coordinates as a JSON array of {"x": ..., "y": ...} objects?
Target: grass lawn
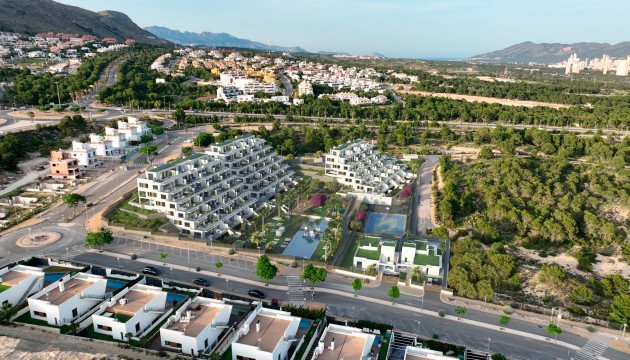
[
  {"x": 369, "y": 254},
  {"x": 421, "y": 259},
  {"x": 27, "y": 319},
  {"x": 133, "y": 222},
  {"x": 122, "y": 317},
  {"x": 4, "y": 288},
  {"x": 348, "y": 259},
  {"x": 125, "y": 205},
  {"x": 227, "y": 355},
  {"x": 318, "y": 211}
]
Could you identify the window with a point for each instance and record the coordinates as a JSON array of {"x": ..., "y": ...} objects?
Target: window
[
  {"x": 137, "y": 327},
  {"x": 75, "y": 313},
  {"x": 104, "y": 328},
  {"x": 39, "y": 313},
  {"x": 205, "y": 343},
  {"x": 173, "y": 344}
]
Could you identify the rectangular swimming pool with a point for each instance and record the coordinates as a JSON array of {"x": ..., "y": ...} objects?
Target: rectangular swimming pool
[
  {"x": 380, "y": 223},
  {"x": 305, "y": 241}
]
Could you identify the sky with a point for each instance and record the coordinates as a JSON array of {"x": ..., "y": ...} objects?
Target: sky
[{"x": 395, "y": 28}]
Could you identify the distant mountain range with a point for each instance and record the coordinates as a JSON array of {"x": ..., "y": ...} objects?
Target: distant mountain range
[
  {"x": 38, "y": 16},
  {"x": 553, "y": 53},
  {"x": 214, "y": 39}
]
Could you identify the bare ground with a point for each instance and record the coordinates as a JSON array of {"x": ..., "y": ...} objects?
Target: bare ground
[
  {"x": 489, "y": 100},
  {"x": 28, "y": 343}
]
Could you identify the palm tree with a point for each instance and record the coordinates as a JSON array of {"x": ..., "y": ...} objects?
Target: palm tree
[{"x": 417, "y": 274}]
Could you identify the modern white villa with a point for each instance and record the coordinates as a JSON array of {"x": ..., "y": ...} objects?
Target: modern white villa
[
  {"x": 131, "y": 311},
  {"x": 421, "y": 253},
  {"x": 344, "y": 342},
  {"x": 267, "y": 334},
  {"x": 19, "y": 282},
  {"x": 195, "y": 328},
  {"x": 361, "y": 166},
  {"x": 207, "y": 195},
  {"x": 413, "y": 253},
  {"x": 68, "y": 299},
  {"x": 133, "y": 128}
]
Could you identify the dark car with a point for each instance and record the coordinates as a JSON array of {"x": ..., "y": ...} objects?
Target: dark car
[
  {"x": 256, "y": 293},
  {"x": 150, "y": 270},
  {"x": 201, "y": 282}
]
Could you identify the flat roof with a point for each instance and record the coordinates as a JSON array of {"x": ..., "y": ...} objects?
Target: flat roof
[
  {"x": 72, "y": 287},
  {"x": 271, "y": 332},
  {"x": 136, "y": 300},
  {"x": 346, "y": 145},
  {"x": 369, "y": 254},
  {"x": 421, "y": 259},
  {"x": 174, "y": 162},
  {"x": 347, "y": 347},
  {"x": 201, "y": 319},
  {"x": 13, "y": 278}
]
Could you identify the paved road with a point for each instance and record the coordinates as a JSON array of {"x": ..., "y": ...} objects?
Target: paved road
[
  {"x": 288, "y": 88},
  {"x": 423, "y": 325},
  {"x": 423, "y": 196}
]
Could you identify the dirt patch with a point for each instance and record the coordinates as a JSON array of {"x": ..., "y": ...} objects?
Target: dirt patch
[
  {"x": 489, "y": 100},
  {"x": 606, "y": 265},
  {"x": 566, "y": 261},
  {"x": 27, "y": 343},
  {"x": 616, "y": 213}
]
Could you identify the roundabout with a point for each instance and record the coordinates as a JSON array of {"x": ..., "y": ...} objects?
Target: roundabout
[{"x": 38, "y": 239}]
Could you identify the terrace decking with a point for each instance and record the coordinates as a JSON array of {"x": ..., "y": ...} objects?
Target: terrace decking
[
  {"x": 72, "y": 287},
  {"x": 136, "y": 300},
  {"x": 200, "y": 319}
]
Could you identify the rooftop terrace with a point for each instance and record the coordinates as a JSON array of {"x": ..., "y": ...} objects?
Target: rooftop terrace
[
  {"x": 271, "y": 332},
  {"x": 72, "y": 288},
  {"x": 202, "y": 317},
  {"x": 421, "y": 259},
  {"x": 136, "y": 300},
  {"x": 347, "y": 346}
]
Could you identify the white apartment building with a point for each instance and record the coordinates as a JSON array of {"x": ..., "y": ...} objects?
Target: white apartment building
[
  {"x": 102, "y": 146},
  {"x": 197, "y": 327},
  {"x": 68, "y": 299},
  {"x": 118, "y": 139},
  {"x": 228, "y": 93},
  {"x": 19, "y": 282},
  {"x": 132, "y": 311},
  {"x": 305, "y": 88},
  {"x": 359, "y": 165},
  {"x": 85, "y": 154},
  {"x": 344, "y": 342},
  {"x": 133, "y": 128},
  {"x": 267, "y": 334},
  {"x": 246, "y": 85},
  {"x": 206, "y": 195}
]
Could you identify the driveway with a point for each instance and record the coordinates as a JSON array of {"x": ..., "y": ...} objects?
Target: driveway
[{"x": 423, "y": 196}]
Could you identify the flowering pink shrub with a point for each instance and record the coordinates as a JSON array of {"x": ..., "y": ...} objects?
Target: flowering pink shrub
[
  {"x": 318, "y": 200},
  {"x": 406, "y": 191},
  {"x": 360, "y": 215}
]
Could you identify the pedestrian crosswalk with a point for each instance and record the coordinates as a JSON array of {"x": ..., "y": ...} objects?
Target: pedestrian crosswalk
[
  {"x": 295, "y": 290},
  {"x": 591, "y": 350}
]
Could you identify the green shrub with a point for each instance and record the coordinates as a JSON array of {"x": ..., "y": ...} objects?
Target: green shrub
[
  {"x": 198, "y": 269},
  {"x": 508, "y": 309},
  {"x": 590, "y": 328},
  {"x": 134, "y": 256},
  {"x": 294, "y": 264},
  {"x": 441, "y": 313},
  {"x": 232, "y": 252}
]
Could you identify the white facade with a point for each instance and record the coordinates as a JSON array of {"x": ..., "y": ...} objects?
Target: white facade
[
  {"x": 133, "y": 128},
  {"x": 377, "y": 252},
  {"x": 196, "y": 327},
  {"x": 85, "y": 154},
  {"x": 344, "y": 342},
  {"x": 305, "y": 88},
  {"x": 132, "y": 311},
  {"x": 416, "y": 353},
  {"x": 102, "y": 146},
  {"x": 267, "y": 334},
  {"x": 68, "y": 299},
  {"x": 22, "y": 281},
  {"x": 118, "y": 139},
  {"x": 361, "y": 166},
  {"x": 206, "y": 195},
  {"x": 420, "y": 253}
]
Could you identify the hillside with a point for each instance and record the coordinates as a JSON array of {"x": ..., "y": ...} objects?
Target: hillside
[
  {"x": 214, "y": 39},
  {"x": 553, "y": 53},
  {"x": 38, "y": 16}
]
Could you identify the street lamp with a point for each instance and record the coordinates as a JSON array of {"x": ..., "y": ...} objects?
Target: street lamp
[
  {"x": 488, "y": 345},
  {"x": 623, "y": 333}
]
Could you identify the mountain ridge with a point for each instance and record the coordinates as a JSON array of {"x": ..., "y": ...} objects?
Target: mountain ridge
[
  {"x": 553, "y": 52},
  {"x": 207, "y": 38},
  {"x": 31, "y": 17}
]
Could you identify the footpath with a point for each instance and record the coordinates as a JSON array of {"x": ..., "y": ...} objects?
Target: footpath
[{"x": 358, "y": 298}]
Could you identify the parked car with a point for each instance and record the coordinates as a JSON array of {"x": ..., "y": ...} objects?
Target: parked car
[
  {"x": 201, "y": 282},
  {"x": 150, "y": 270},
  {"x": 256, "y": 293}
]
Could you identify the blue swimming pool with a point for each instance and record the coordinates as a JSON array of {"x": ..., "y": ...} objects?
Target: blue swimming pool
[
  {"x": 115, "y": 284},
  {"x": 52, "y": 277},
  {"x": 305, "y": 324},
  {"x": 179, "y": 297},
  {"x": 377, "y": 340},
  {"x": 380, "y": 223},
  {"x": 305, "y": 241}
]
